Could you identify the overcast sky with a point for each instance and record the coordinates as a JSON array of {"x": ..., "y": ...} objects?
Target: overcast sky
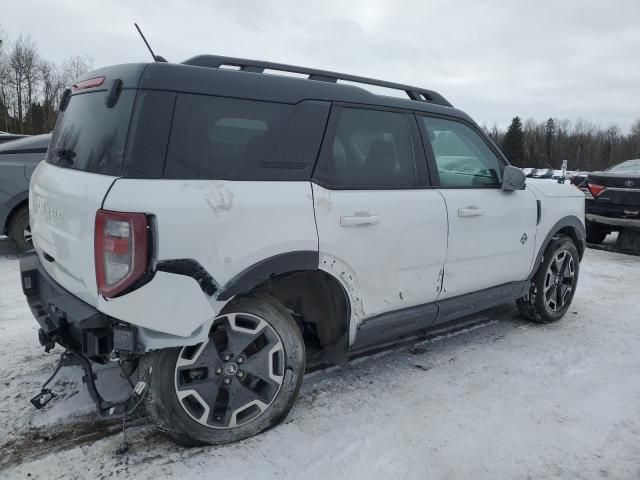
[{"x": 493, "y": 59}]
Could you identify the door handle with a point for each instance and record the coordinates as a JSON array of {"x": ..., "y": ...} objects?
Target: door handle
[
  {"x": 470, "y": 211},
  {"x": 356, "y": 220}
]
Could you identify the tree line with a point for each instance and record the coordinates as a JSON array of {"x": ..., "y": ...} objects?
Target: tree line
[
  {"x": 583, "y": 144},
  {"x": 31, "y": 86}
]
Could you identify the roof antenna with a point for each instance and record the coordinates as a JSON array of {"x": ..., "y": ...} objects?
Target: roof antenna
[{"x": 156, "y": 58}]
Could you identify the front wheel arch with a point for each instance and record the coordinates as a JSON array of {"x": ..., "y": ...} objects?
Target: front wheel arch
[{"x": 570, "y": 226}]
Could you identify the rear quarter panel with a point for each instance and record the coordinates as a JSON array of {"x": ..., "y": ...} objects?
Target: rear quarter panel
[{"x": 227, "y": 226}]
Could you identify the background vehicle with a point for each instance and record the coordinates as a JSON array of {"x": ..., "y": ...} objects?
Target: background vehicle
[
  {"x": 8, "y": 137},
  {"x": 547, "y": 173},
  {"x": 218, "y": 228},
  {"x": 18, "y": 159},
  {"x": 613, "y": 201}
]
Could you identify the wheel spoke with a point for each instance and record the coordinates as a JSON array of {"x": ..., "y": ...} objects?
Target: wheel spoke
[
  {"x": 207, "y": 387},
  {"x": 548, "y": 283},
  {"x": 565, "y": 262},
  {"x": 267, "y": 364},
  {"x": 206, "y": 354},
  {"x": 559, "y": 301},
  {"x": 565, "y": 291},
  {"x": 240, "y": 398},
  {"x": 194, "y": 396},
  {"x": 240, "y": 333}
]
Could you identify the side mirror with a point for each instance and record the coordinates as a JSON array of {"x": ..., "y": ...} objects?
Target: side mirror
[{"x": 513, "y": 179}]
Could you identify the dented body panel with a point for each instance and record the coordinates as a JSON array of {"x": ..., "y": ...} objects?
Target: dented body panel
[
  {"x": 391, "y": 263},
  {"x": 226, "y": 226}
]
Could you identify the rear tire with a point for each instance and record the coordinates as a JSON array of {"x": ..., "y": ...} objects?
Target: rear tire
[
  {"x": 240, "y": 382},
  {"x": 595, "y": 234},
  {"x": 19, "y": 230},
  {"x": 554, "y": 284}
]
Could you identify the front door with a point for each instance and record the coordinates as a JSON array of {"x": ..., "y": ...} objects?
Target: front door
[
  {"x": 381, "y": 230},
  {"x": 491, "y": 231}
]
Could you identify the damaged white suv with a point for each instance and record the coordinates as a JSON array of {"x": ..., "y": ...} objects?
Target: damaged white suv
[{"x": 218, "y": 231}]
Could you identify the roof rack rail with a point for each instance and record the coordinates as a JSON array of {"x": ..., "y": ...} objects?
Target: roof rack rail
[{"x": 258, "y": 66}]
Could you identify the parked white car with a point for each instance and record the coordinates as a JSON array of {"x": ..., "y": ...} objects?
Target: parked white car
[{"x": 216, "y": 230}]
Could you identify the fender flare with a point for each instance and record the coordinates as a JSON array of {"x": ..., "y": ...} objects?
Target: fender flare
[
  {"x": 570, "y": 221},
  {"x": 261, "y": 271}
]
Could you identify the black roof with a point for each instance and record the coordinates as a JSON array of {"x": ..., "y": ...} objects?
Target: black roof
[{"x": 203, "y": 75}]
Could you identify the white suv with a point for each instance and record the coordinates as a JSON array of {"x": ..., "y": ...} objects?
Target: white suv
[{"x": 218, "y": 230}]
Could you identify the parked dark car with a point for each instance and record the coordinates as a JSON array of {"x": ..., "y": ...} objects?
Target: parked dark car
[
  {"x": 613, "y": 200},
  {"x": 18, "y": 159},
  {"x": 8, "y": 137}
]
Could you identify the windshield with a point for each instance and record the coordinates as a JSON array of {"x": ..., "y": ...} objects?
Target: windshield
[
  {"x": 91, "y": 137},
  {"x": 630, "y": 166}
]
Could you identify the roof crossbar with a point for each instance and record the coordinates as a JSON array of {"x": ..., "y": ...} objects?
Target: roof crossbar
[{"x": 258, "y": 66}]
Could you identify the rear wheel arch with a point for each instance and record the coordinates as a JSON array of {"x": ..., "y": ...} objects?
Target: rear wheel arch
[
  {"x": 317, "y": 298},
  {"x": 320, "y": 305}
]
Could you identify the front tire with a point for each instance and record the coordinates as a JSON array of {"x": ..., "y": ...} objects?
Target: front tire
[
  {"x": 554, "y": 284},
  {"x": 243, "y": 380}
]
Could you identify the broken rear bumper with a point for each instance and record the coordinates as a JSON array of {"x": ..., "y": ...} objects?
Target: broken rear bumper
[{"x": 67, "y": 320}]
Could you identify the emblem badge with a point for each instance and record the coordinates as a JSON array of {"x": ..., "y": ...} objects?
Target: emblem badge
[
  {"x": 629, "y": 183},
  {"x": 231, "y": 369},
  {"x": 524, "y": 238}
]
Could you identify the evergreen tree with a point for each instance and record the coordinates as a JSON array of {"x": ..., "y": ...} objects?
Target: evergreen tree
[
  {"x": 513, "y": 143},
  {"x": 551, "y": 132}
]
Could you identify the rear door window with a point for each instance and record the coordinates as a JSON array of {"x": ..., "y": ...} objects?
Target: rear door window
[
  {"x": 370, "y": 149},
  {"x": 91, "y": 137}
]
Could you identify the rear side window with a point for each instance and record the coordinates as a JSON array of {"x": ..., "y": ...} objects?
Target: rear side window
[
  {"x": 370, "y": 148},
  {"x": 91, "y": 137},
  {"x": 234, "y": 139},
  {"x": 462, "y": 158}
]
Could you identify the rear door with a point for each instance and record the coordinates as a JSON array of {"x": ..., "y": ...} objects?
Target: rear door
[
  {"x": 491, "y": 231},
  {"x": 381, "y": 229},
  {"x": 84, "y": 159}
]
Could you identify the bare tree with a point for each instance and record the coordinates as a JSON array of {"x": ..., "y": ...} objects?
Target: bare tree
[
  {"x": 21, "y": 64},
  {"x": 5, "y": 79},
  {"x": 52, "y": 86},
  {"x": 74, "y": 67}
]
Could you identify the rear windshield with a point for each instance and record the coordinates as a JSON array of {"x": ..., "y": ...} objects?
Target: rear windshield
[
  {"x": 630, "y": 166},
  {"x": 91, "y": 137}
]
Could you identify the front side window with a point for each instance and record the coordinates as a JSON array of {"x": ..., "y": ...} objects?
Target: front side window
[
  {"x": 462, "y": 157},
  {"x": 370, "y": 148}
]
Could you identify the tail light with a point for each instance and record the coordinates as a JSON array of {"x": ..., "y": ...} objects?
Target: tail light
[
  {"x": 595, "y": 189},
  {"x": 121, "y": 250},
  {"x": 90, "y": 83}
]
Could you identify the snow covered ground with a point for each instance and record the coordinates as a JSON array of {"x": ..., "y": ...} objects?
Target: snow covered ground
[{"x": 506, "y": 399}]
